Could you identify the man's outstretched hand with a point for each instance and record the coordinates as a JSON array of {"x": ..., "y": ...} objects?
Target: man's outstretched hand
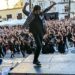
[{"x": 26, "y": 4}]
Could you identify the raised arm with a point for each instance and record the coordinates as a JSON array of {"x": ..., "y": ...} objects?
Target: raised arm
[
  {"x": 24, "y": 9},
  {"x": 47, "y": 9}
]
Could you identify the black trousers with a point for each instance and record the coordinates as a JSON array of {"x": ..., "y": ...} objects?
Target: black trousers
[
  {"x": 1, "y": 53},
  {"x": 22, "y": 49},
  {"x": 38, "y": 40},
  {"x": 23, "y": 52}
]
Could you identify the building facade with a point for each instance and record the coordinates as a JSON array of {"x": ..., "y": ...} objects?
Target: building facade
[
  {"x": 62, "y": 7},
  {"x": 16, "y": 12},
  {"x": 13, "y": 13}
]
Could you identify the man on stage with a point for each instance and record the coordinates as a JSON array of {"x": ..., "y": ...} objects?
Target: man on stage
[{"x": 35, "y": 23}]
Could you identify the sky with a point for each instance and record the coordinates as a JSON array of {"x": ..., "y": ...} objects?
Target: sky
[{"x": 11, "y": 3}]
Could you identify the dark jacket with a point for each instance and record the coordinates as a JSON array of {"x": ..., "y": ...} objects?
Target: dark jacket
[{"x": 31, "y": 17}]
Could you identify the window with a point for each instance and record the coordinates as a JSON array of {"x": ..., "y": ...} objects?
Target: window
[
  {"x": 66, "y": 8},
  {"x": 0, "y": 17},
  {"x": 19, "y": 16},
  {"x": 65, "y": 0},
  {"x": 9, "y": 16}
]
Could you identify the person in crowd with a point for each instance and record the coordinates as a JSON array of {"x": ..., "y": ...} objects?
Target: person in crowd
[
  {"x": 17, "y": 46},
  {"x": 69, "y": 36},
  {"x": 48, "y": 46},
  {"x": 1, "y": 52},
  {"x": 73, "y": 39},
  {"x": 11, "y": 47},
  {"x": 65, "y": 39},
  {"x": 60, "y": 43},
  {"x": 15, "y": 34},
  {"x": 22, "y": 47}
]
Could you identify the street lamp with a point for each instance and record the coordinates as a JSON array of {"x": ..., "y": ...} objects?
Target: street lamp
[{"x": 69, "y": 8}]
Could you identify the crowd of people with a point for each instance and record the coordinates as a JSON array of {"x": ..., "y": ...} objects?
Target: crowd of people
[
  {"x": 18, "y": 39},
  {"x": 59, "y": 34}
]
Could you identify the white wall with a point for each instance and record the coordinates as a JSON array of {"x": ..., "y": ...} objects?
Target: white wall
[{"x": 57, "y": 8}]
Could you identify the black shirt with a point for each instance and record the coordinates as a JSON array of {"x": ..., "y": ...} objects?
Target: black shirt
[{"x": 36, "y": 25}]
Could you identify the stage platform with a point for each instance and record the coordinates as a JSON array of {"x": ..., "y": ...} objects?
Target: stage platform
[{"x": 52, "y": 64}]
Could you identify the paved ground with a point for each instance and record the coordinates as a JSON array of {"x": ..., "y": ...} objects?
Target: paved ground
[
  {"x": 10, "y": 62},
  {"x": 51, "y": 64}
]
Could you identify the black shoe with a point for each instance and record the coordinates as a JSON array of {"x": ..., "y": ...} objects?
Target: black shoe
[{"x": 37, "y": 63}]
